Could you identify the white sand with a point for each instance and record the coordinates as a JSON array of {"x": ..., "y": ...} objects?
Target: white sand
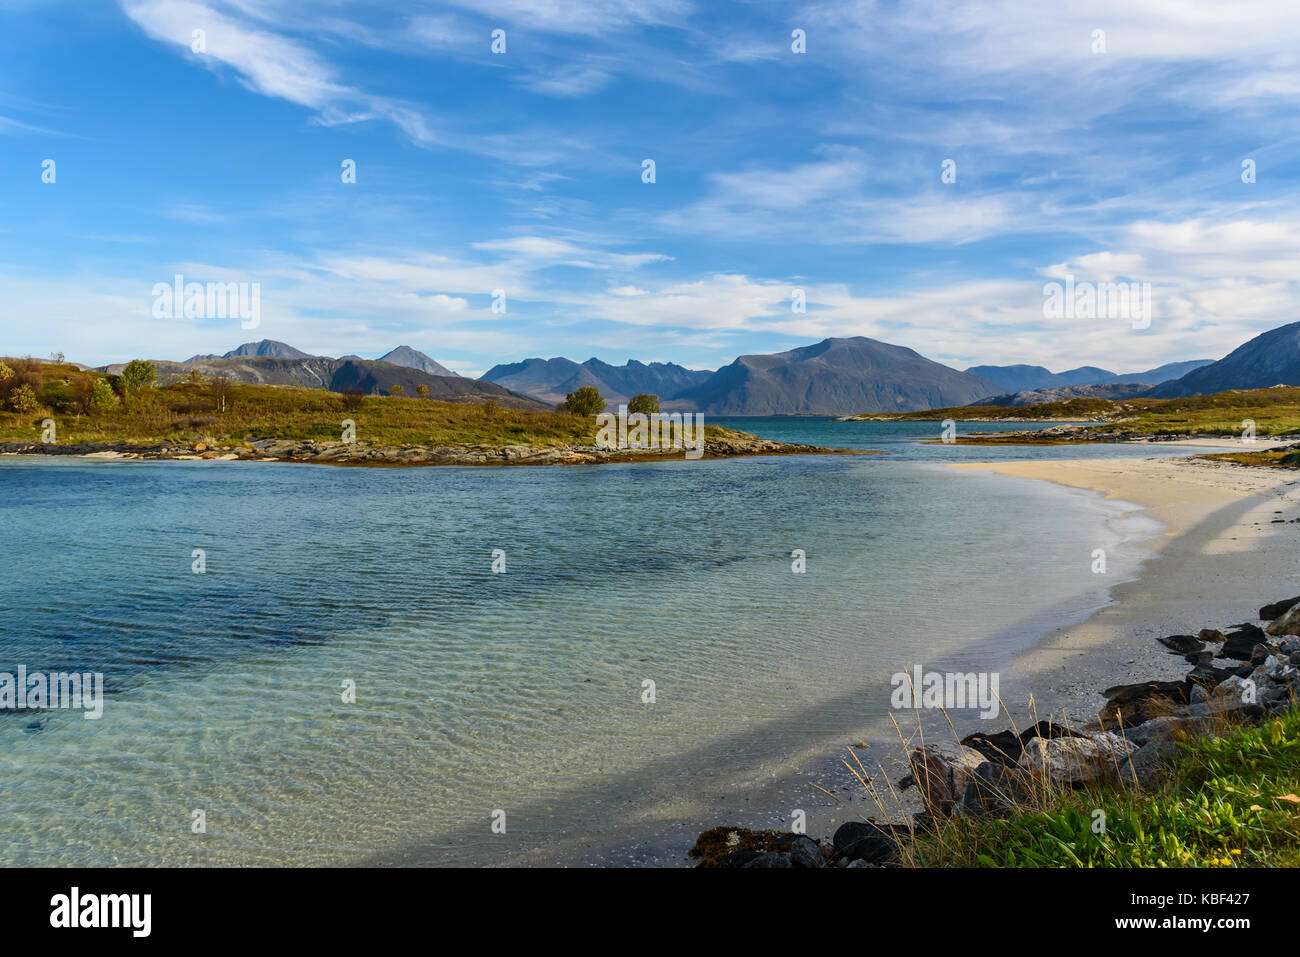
[{"x": 1220, "y": 556}]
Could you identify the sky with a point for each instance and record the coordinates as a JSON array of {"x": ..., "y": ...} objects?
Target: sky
[{"x": 220, "y": 156}]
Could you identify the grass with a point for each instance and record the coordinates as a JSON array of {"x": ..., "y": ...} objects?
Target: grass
[
  {"x": 1230, "y": 798},
  {"x": 1282, "y": 460},
  {"x": 1275, "y": 412},
  {"x": 231, "y": 413}
]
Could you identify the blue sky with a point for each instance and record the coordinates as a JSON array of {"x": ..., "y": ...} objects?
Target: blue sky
[{"x": 522, "y": 171}]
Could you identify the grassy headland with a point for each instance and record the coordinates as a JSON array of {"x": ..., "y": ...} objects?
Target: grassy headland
[
  {"x": 204, "y": 417},
  {"x": 230, "y": 412},
  {"x": 1275, "y": 413}
]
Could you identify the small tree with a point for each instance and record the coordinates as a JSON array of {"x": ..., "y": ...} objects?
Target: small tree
[
  {"x": 222, "y": 390},
  {"x": 23, "y": 399},
  {"x": 57, "y": 357},
  {"x": 585, "y": 401},
  {"x": 101, "y": 397},
  {"x": 645, "y": 403},
  {"x": 397, "y": 390},
  {"x": 6, "y": 373},
  {"x": 422, "y": 391},
  {"x": 138, "y": 373}
]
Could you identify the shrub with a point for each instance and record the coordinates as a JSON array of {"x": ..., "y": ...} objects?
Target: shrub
[
  {"x": 645, "y": 403},
  {"x": 58, "y": 394},
  {"x": 138, "y": 372},
  {"x": 23, "y": 399},
  {"x": 397, "y": 390},
  {"x": 422, "y": 391},
  {"x": 585, "y": 401},
  {"x": 101, "y": 398}
]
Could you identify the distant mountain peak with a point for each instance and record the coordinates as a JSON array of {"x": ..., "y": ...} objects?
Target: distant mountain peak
[
  {"x": 267, "y": 347},
  {"x": 415, "y": 359}
]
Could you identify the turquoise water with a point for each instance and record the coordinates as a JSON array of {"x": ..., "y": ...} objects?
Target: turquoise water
[{"x": 478, "y": 691}]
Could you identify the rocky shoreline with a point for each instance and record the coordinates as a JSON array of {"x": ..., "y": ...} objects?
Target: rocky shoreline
[
  {"x": 1134, "y": 738},
  {"x": 732, "y": 444}
]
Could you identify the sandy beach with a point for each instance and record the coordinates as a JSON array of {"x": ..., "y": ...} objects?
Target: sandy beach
[{"x": 1228, "y": 544}]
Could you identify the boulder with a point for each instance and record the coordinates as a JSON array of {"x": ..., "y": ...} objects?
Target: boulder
[
  {"x": 940, "y": 775},
  {"x": 1003, "y": 747},
  {"x": 1159, "y": 729},
  {"x": 1047, "y": 728},
  {"x": 1241, "y": 643},
  {"x": 1068, "y": 762},
  {"x": 1149, "y": 762},
  {"x": 863, "y": 840},
  {"x": 1278, "y": 608},
  {"x": 1137, "y": 703},
  {"x": 769, "y": 859},
  {"x": 994, "y": 790},
  {"x": 1183, "y": 644},
  {"x": 804, "y": 852},
  {"x": 1288, "y": 624}
]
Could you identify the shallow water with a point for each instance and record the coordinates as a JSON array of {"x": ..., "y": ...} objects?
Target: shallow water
[{"x": 478, "y": 691}]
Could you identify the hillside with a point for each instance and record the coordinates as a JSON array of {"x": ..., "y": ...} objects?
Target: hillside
[
  {"x": 1272, "y": 358},
  {"x": 830, "y": 377},
  {"x": 229, "y": 411},
  {"x": 371, "y": 376}
]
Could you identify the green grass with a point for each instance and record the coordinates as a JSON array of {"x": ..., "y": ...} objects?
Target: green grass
[{"x": 1228, "y": 801}]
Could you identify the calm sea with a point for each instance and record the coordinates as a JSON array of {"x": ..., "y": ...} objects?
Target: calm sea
[{"x": 476, "y": 692}]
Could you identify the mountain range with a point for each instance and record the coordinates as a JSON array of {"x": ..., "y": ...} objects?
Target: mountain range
[
  {"x": 833, "y": 377},
  {"x": 1021, "y": 378},
  {"x": 275, "y": 363},
  {"x": 552, "y": 379}
]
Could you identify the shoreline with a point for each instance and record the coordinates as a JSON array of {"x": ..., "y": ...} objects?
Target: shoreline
[
  {"x": 369, "y": 454},
  {"x": 1218, "y": 537},
  {"x": 1217, "y": 557}
]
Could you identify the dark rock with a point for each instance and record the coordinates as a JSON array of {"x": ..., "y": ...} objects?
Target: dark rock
[
  {"x": 1183, "y": 644},
  {"x": 804, "y": 852},
  {"x": 1199, "y": 657},
  {"x": 1004, "y": 747},
  {"x": 1137, "y": 703},
  {"x": 1241, "y": 644},
  {"x": 1049, "y": 729},
  {"x": 1278, "y": 608},
  {"x": 1148, "y": 762},
  {"x": 770, "y": 859},
  {"x": 994, "y": 790},
  {"x": 740, "y": 858},
  {"x": 862, "y": 840},
  {"x": 1207, "y": 676}
]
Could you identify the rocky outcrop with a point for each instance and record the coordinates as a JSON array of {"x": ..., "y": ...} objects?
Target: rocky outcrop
[{"x": 724, "y": 444}]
